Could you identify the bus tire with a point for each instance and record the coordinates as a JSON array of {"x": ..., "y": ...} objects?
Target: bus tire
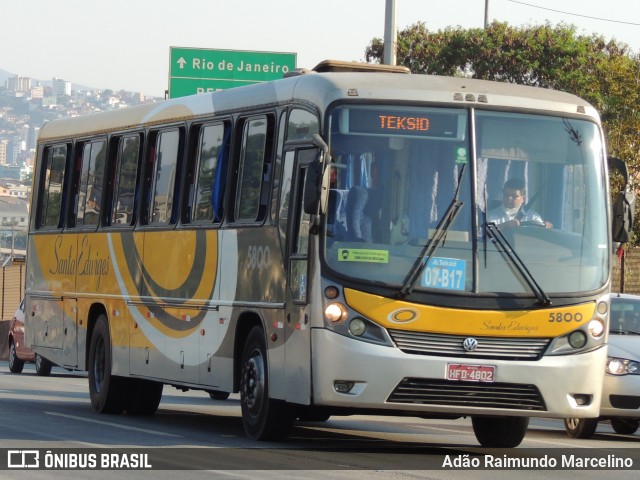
[
  {"x": 263, "y": 418},
  {"x": 43, "y": 366},
  {"x": 625, "y": 426},
  {"x": 500, "y": 432},
  {"x": 144, "y": 396},
  {"x": 580, "y": 427},
  {"x": 107, "y": 391},
  {"x": 15, "y": 364}
]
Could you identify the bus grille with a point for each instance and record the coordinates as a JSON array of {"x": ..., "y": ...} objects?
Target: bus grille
[
  {"x": 451, "y": 345},
  {"x": 468, "y": 394}
]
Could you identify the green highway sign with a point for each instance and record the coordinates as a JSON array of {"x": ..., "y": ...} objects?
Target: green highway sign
[{"x": 196, "y": 70}]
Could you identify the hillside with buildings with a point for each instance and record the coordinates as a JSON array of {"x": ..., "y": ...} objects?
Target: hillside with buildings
[{"x": 25, "y": 105}]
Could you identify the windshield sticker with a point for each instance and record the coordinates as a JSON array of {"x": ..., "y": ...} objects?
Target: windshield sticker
[
  {"x": 445, "y": 273},
  {"x": 363, "y": 255},
  {"x": 461, "y": 155}
]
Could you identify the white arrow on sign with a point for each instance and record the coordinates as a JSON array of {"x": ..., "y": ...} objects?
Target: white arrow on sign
[{"x": 181, "y": 61}]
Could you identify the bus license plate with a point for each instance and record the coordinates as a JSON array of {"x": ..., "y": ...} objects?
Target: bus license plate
[{"x": 470, "y": 373}]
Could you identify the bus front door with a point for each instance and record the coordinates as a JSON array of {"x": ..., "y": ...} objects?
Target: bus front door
[{"x": 298, "y": 327}]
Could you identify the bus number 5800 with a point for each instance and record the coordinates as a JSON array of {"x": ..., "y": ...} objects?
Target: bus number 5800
[{"x": 558, "y": 317}]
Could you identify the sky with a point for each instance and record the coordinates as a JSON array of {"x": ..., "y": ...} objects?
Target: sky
[{"x": 125, "y": 44}]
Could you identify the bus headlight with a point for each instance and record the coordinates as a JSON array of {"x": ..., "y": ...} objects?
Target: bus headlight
[
  {"x": 335, "y": 312},
  {"x": 622, "y": 366},
  {"x": 596, "y": 328},
  {"x": 577, "y": 339},
  {"x": 357, "y": 327}
]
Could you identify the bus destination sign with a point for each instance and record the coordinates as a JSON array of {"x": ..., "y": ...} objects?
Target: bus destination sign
[{"x": 406, "y": 123}]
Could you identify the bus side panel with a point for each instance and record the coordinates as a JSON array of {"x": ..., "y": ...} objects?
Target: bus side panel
[
  {"x": 253, "y": 280},
  {"x": 97, "y": 285},
  {"x": 50, "y": 278},
  {"x": 70, "y": 332},
  {"x": 218, "y": 352},
  {"x": 172, "y": 282}
]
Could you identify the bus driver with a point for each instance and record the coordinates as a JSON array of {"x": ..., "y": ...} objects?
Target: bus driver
[{"x": 512, "y": 212}]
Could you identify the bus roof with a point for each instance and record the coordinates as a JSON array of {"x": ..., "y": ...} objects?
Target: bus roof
[{"x": 321, "y": 89}]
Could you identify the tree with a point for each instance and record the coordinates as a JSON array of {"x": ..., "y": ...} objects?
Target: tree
[{"x": 604, "y": 72}]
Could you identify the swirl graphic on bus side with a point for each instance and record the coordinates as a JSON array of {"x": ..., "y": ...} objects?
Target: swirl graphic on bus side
[
  {"x": 403, "y": 315},
  {"x": 199, "y": 283}
]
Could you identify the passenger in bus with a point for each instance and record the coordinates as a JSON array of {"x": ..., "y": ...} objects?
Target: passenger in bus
[
  {"x": 337, "y": 209},
  {"x": 513, "y": 210},
  {"x": 364, "y": 206},
  {"x": 359, "y": 225}
]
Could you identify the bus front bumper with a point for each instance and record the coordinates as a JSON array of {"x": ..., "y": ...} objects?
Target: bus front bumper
[{"x": 355, "y": 374}]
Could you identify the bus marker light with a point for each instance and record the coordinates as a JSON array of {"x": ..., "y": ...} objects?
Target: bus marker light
[
  {"x": 274, "y": 337},
  {"x": 331, "y": 292},
  {"x": 602, "y": 308}
]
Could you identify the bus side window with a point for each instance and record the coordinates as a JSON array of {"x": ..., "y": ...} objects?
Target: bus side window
[
  {"x": 51, "y": 190},
  {"x": 90, "y": 185},
  {"x": 163, "y": 178},
  {"x": 302, "y": 125},
  {"x": 254, "y": 170},
  {"x": 210, "y": 173},
  {"x": 125, "y": 180}
]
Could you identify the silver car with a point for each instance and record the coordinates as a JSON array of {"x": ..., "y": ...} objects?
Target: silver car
[{"x": 621, "y": 388}]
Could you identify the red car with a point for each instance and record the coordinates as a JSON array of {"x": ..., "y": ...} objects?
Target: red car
[{"x": 18, "y": 353}]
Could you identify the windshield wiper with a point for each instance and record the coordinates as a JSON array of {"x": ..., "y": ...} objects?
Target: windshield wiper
[
  {"x": 430, "y": 248},
  {"x": 434, "y": 242},
  {"x": 495, "y": 234}
]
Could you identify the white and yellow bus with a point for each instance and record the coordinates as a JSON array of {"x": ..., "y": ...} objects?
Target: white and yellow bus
[{"x": 324, "y": 245}]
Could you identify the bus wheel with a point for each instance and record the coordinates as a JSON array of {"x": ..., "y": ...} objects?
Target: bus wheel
[
  {"x": 625, "y": 426},
  {"x": 580, "y": 427},
  {"x": 43, "y": 366},
  {"x": 500, "y": 432},
  {"x": 263, "y": 418},
  {"x": 15, "y": 364},
  {"x": 107, "y": 392},
  {"x": 144, "y": 396}
]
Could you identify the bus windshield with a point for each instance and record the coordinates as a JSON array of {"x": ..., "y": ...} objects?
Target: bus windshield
[{"x": 537, "y": 180}]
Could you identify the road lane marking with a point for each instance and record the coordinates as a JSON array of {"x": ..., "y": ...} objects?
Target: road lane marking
[
  {"x": 449, "y": 430},
  {"x": 111, "y": 424}
]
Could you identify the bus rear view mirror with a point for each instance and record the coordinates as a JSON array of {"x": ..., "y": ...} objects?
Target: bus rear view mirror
[
  {"x": 317, "y": 180},
  {"x": 624, "y": 207},
  {"x": 311, "y": 190},
  {"x": 316, "y": 188},
  {"x": 624, "y": 204}
]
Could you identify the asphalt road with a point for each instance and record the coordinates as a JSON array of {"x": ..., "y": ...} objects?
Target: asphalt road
[{"x": 197, "y": 437}]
